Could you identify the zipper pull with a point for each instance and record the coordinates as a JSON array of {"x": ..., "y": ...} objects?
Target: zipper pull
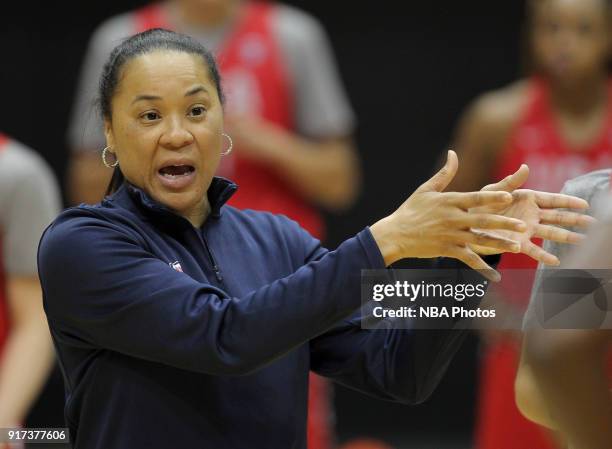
[
  {"x": 217, "y": 273},
  {"x": 211, "y": 257}
]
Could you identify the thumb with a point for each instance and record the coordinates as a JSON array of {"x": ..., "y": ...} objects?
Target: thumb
[
  {"x": 511, "y": 182},
  {"x": 441, "y": 180}
]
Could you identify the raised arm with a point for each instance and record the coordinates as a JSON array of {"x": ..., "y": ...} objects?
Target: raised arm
[
  {"x": 390, "y": 363},
  {"x": 407, "y": 365},
  {"x": 96, "y": 277},
  {"x": 103, "y": 289}
]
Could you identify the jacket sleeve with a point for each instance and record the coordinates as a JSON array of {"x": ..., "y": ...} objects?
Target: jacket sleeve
[
  {"x": 403, "y": 365},
  {"x": 103, "y": 289}
]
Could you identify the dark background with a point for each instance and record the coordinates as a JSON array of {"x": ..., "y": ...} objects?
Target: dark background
[{"x": 410, "y": 68}]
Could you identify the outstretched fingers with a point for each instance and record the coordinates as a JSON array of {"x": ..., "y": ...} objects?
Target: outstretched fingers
[
  {"x": 565, "y": 218},
  {"x": 490, "y": 221},
  {"x": 538, "y": 254},
  {"x": 474, "y": 261},
  {"x": 556, "y": 234},
  {"x": 467, "y": 200},
  {"x": 547, "y": 200},
  {"x": 480, "y": 238}
]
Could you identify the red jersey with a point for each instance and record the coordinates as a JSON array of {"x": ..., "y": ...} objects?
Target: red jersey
[
  {"x": 250, "y": 60},
  {"x": 536, "y": 141},
  {"x": 4, "y": 317}
]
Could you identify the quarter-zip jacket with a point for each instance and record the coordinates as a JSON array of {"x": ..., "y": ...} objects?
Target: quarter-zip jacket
[{"x": 170, "y": 336}]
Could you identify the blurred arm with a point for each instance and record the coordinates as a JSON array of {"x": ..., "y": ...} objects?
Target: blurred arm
[
  {"x": 528, "y": 396},
  {"x": 325, "y": 171},
  {"x": 481, "y": 135},
  {"x": 28, "y": 355},
  {"x": 29, "y": 203},
  {"x": 568, "y": 368},
  {"x": 529, "y": 399}
]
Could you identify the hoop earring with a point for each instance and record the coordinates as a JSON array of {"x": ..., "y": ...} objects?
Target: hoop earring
[
  {"x": 104, "y": 153},
  {"x": 231, "y": 145}
]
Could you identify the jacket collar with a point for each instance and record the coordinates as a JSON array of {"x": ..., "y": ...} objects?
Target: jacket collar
[{"x": 130, "y": 196}]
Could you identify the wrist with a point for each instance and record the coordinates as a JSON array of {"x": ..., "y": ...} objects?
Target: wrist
[{"x": 385, "y": 239}]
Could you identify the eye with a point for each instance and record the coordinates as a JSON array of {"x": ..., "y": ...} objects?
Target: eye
[
  {"x": 197, "y": 111},
  {"x": 150, "y": 116}
]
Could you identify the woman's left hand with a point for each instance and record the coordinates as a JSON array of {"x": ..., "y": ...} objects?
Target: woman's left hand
[{"x": 540, "y": 212}]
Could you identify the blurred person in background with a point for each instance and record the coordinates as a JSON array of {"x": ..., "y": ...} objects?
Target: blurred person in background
[
  {"x": 565, "y": 376},
  {"x": 29, "y": 201},
  {"x": 559, "y": 122},
  {"x": 286, "y": 111}
]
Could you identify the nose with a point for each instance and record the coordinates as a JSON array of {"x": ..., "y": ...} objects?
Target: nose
[{"x": 175, "y": 135}]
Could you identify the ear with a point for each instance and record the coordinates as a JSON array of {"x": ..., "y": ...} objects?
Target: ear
[{"x": 108, "y": 133}]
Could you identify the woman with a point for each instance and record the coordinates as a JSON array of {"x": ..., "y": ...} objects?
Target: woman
[
  {"x": 286, "y": 110},
  {"x": 181, "y": 322},
  {"x": 559, "y": 122}
]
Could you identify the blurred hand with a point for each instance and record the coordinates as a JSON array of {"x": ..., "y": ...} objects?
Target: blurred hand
[
  {"x": 431, "y": 223},
  {"x": 539, "y": 212},
  {"x": 255, "y": 138}
]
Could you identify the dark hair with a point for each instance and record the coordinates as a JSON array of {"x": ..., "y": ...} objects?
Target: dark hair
[{"x": 137, "y": 45}]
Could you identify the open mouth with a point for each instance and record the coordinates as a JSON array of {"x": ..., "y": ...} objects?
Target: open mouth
[
  {"x": 174, "y": 171},
  {"x": 177, "y": 177}
]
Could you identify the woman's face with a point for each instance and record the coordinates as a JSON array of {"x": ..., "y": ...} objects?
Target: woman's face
[
  {"x": 166, "y": 128},
  {"x": 571, "y": 38}
]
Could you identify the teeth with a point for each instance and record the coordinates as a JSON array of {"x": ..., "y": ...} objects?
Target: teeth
[
  {"x": 176, "y": 170},
  {"x": 169, "y": 175}
]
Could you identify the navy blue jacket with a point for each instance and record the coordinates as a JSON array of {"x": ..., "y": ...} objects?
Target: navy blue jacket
[{"x": 173, "y": 336}]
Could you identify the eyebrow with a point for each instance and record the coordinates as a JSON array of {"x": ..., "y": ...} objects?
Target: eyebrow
[
  {"x": 196, "y": 89},
  {"x": 190, "y": 92},
  {"x": 145, "y": 97}
]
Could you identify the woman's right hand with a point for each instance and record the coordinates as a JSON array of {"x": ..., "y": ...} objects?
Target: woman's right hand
[{"x": 433, "y": 223}]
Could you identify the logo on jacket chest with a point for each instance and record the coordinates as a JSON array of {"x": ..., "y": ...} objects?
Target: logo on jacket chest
[{"x": 177, "y": 266}]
